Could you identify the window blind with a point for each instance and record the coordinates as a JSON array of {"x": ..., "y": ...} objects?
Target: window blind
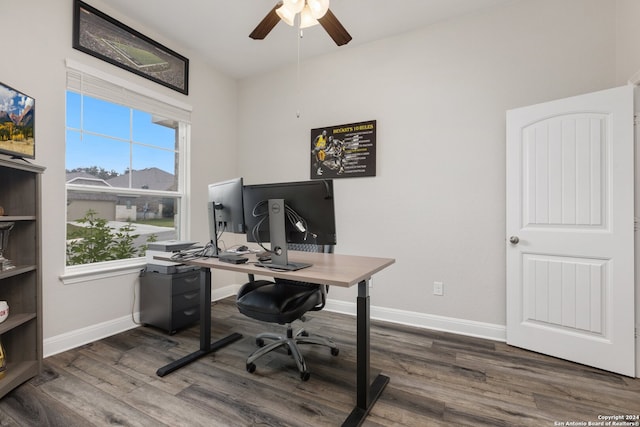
[{"x": 94, "y": 83}]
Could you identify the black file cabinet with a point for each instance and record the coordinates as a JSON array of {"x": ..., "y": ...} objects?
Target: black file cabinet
[{"x": 170, "y": 301}]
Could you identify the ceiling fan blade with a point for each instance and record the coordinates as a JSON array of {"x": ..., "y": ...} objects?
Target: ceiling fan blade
[
  {"x": 266, "y": 25},
  {"x": 335, "y": 29}
]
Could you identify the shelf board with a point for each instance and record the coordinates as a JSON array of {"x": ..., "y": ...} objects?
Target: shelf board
[
  {"x": 16, "y": 374},
  {"x": 7, "y": 218},
  {"x": 16, "y": 271},
  {"x": 24, "y": 165},
  {"x": 15, "y": 320}
]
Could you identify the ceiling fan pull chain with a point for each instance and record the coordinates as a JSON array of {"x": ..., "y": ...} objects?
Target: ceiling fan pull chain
[{"x": 298, "y": 89}]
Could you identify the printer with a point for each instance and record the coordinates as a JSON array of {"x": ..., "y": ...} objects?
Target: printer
[{"x": 166, "y": 249}]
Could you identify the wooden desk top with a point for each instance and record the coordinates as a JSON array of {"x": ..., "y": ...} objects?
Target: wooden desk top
[{"x": 328, "y": 269}]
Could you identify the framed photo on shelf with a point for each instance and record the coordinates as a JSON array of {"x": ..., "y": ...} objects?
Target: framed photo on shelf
[{"x": 103, "y": 37}]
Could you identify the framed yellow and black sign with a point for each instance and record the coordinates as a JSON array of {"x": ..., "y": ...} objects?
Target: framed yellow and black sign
[{"x": 344, "y": 151}]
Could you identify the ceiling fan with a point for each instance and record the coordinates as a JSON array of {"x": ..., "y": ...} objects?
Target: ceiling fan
[{"x": 311, "y": 12}]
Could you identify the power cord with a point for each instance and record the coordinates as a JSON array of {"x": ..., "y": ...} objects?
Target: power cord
[
  {"x": 133, "y": 304},
  {"x": 294, "y": 218}
]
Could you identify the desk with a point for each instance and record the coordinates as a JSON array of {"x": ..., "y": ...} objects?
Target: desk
[{"x": 330, "y": 269}]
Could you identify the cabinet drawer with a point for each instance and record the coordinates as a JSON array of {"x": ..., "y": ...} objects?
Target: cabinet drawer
[
  {"x": 184, "y": 317},
  {"x": 185, "y": 282},
  {"x": 186, "y": 299}
]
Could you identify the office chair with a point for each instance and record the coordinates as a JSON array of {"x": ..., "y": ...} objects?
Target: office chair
[{"x": 282, "y": 301}]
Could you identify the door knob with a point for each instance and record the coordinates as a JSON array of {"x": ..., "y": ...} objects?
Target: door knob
[{"x": 514, "y": 240}]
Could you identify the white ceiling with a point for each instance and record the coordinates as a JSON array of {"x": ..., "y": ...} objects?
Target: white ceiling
[{"x": 219, "y": 29}]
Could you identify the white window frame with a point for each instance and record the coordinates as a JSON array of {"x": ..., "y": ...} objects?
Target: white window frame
[{"x": 144, "y": 99}]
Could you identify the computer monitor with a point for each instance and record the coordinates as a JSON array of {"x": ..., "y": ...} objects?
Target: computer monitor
[
  {"x": 225, "y": 210},
  {"x": 307, "y": 213}
]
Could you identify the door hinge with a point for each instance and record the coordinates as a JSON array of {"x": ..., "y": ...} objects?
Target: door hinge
[{"x": 636, "y": 220}]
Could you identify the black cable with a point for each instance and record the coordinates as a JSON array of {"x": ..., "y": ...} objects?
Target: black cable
[
  {"x": 294, "y": 218},
  {"x": 256, "y": 228}
]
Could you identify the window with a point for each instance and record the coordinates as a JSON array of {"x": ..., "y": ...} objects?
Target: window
[{"x": 125, "y": 169}]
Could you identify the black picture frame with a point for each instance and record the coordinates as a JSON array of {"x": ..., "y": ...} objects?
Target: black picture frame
[
  {"x": 344, "y": 151},
  {"x": 108, "y": 39}
]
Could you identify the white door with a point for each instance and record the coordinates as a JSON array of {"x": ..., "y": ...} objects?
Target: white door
[{"x": 570, "y": 238}]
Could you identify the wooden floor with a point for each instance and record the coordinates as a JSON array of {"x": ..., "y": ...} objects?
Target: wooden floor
[{"x": 437, "y": 379}]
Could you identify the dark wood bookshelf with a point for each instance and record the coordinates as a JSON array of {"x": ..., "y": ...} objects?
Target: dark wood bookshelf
[{"x": 21, "y": 287}]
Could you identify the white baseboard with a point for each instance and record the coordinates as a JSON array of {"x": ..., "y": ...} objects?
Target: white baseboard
[
  {"x": 222, "y": 293},
  {"x": 78, "y": 337},
  {"x": 427, "y": 321},
  {"x": 73, "y": 339}
]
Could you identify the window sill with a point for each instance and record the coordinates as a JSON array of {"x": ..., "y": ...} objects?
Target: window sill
[{"x": 101, "y": 270}]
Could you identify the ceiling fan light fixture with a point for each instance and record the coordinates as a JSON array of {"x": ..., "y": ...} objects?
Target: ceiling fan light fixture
[
  {"x": 312, "y": 12},
  {"x": 306, "y": 18},
  {"x": 295, "y": 6},
  {"x": 318, "y": 7},
  {"x": 286, "y": 14}
]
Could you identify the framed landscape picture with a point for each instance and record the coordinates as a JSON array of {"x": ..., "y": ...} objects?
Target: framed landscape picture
[
  {"x": 101, "y": 36},
  {"x": 17, "y": 124}
]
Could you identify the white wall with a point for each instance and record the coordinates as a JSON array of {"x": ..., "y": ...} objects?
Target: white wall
[
  {"x": 37, "y": 35},
  {"x": 627, "y": 39},
  {"x": 439, "y": 96}
]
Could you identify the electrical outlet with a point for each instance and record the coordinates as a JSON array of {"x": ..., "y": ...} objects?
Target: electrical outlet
[{"x": 438, "y": 288}]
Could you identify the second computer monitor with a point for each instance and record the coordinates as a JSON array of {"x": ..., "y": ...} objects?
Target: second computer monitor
[
  {"x": 309, "y": 202},
  {"x": 225, "y": 210}
]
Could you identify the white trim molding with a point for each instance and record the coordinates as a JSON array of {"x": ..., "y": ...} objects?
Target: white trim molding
[
  {"x": 426, "y": 321},
  {"x": 79, "y": 337},
  {"x": 102, "y": 270},
  {"x": 224, "y": 292},
  {"x": 73, "y": 339}
]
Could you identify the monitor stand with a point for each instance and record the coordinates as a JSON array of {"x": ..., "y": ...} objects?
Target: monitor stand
[{"x": 278, "y": 234}]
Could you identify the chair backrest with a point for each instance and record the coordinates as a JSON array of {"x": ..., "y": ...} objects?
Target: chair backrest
[
  {"x": 310, "y": 247},
  {"x": 307, "y": 247}
]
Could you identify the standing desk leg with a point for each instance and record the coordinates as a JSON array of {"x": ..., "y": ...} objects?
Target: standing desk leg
[
  {"x": 367, "y": 392},
  {"x": 206, "y": 346}
]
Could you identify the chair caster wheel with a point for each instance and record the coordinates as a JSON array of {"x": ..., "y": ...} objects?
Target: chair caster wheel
[
  {"x": 251, "y": 367},
  {"x": 304, "y": 376},
  {"x": 335, "y": 351},
  {"x": 259, "y": 342}
]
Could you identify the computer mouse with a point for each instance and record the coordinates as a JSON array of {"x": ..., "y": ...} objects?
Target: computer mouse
[{"x": 242, "y": 248}]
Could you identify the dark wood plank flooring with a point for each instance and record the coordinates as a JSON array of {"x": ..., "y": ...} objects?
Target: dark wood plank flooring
[{"x": 437, "y": 379}]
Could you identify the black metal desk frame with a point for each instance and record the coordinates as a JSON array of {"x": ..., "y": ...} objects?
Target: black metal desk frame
[
  {"x": 367, "y": 392},
  {"x": 206, "y": 346}
]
